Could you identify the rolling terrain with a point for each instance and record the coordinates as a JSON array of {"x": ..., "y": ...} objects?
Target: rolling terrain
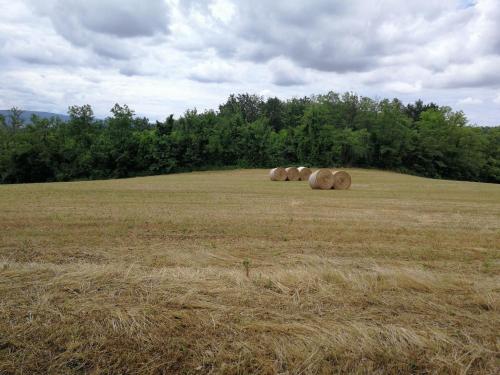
[
  {"x": 148, "y": 275},
  {"x": 26, "y": 116}
]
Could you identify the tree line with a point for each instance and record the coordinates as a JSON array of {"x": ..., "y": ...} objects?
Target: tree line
[{"x": 246, "y": 131}]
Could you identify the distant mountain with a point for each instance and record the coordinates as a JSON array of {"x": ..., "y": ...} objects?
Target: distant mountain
[{"x": 26, "y": 115}]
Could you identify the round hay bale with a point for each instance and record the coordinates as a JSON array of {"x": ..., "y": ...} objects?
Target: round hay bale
[
  {"x": 341, "y": 180},
  {"x": 321, "y": 179},
  {"x": 292, "y": 174},
  {"x": 304, "y": 173},
  {"x": 278, "y": 174}
]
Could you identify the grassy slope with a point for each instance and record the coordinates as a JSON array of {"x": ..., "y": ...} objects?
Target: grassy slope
[{"x": 145, "y": 275}]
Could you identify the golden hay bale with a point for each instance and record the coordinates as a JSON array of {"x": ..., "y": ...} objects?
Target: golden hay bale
[
  {"x": 278, "y": 174},
  {"x": 304, "y": 173},
  {"x": 341, "y": 180},
  {"x": 292, "y": 174},
  {"x": 321, "y": 179}
]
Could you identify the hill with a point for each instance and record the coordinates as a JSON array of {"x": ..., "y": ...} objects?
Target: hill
[
  {"x": 148, "y": 275},
  {"x": 26, "y": 115}
]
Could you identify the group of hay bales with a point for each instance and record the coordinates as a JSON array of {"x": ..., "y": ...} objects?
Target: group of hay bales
[
  {"x": 326, "y": 179},
  {"x": 323, "y": 179},
  {"x": 290, "y": 174}
]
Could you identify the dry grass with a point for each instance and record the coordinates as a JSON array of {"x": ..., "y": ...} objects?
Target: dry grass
[{"x": 399, "y": 274}]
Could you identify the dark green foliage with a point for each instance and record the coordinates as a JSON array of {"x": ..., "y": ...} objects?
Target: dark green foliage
[
  {"x": 15, "y": 118},
  {"x": 248, "y": 131}
]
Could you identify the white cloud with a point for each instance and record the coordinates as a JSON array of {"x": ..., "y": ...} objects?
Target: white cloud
[
  {"x": 470, "y": 101},
  {"x": 223, "y": 10},
  {"x": 484, "y": 71},
  {"x": 285, "y": 73},
  {"x": 497, "y": 100},
  {"x": 404, "y": 87},
  {"x": 213, "y": 71}
]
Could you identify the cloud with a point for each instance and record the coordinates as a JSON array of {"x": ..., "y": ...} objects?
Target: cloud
[
  {"x": 108, "y": 27},
  {"x": 23, "y": 47},
  {"x": 333, "y": 36},
  {"x": 222, "y": 10},
  {"x": 137, "y": 69},
  {"x": 404, "y": 87},
  {"x": 164, "y": 56},
  {"x": 483, "y": 72},
  {"x": 285, "y": 73},
  {"x": 212, "y": 72},
  {"x": 497, "y": 100},
  {"x": 120, "y": 18},
  {"x": 470, "y": 101},
  {"x": 124, "y": 19},
  {"x": 444, "y": 38}
]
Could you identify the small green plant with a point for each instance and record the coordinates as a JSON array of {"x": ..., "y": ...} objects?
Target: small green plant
[{"x": 246, "y": 265}]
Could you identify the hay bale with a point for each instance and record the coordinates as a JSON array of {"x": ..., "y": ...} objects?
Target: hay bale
[
  {"x": 278, "y": 174},
  {"x": 292, "y": 174},
  {"x": 304, "y": 173},
  {"x": 341, "y": 180},
  {"x": 321, "y": 179}
]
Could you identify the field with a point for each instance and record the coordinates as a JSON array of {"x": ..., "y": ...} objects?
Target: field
[{"x": 228, "y": 272}]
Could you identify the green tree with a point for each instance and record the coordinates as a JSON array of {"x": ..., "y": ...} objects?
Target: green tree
[
  {"x": 16, "y": 120},
  {"x": 391, "y": 135},
  {"x": 273, "y": 111}
]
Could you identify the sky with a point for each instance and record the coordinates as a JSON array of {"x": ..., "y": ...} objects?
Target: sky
[{"x": 167, "y": 56}]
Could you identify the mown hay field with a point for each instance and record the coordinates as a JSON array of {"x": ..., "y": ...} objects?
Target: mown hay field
[{"x": 399, "y": 274}]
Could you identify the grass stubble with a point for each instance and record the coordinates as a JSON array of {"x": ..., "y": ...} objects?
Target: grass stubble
[{"x": 229, "y": 273}]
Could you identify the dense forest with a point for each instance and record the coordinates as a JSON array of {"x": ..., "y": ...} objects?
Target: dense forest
[{"x": 249, "y": 131}]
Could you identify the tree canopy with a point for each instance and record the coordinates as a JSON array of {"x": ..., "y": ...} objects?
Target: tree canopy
[{"x": 329, "y": 130}]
